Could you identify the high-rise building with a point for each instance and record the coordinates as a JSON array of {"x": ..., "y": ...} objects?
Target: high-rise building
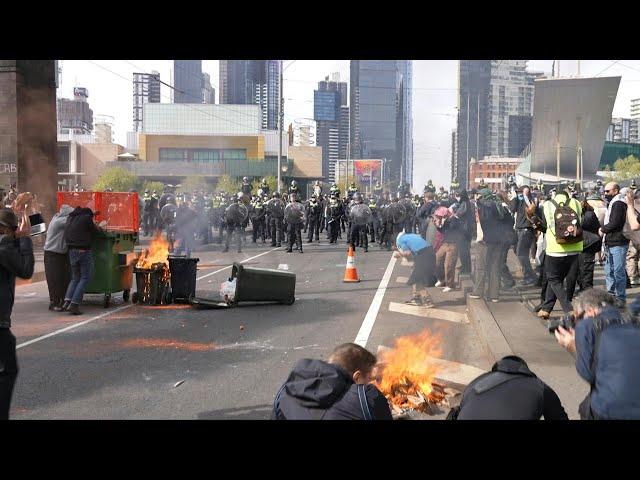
[
  {"x": 146, "y": 89},
  {"x": 381, "y": 123},
  {"x": 635, "y": 108},
  {"x": 104, "y": 128},
  {"x": 208, "y": 92},
  {"x": 246, "y": 82},
  {"x": 331, "y": 113},
  {"x": 624, "y": 130},
  {"x": 187, "y": 81},
  {"x": 74, "y": 115},
  {"x": 304, "y": 132},
  {"x": 491, "y": 92}
]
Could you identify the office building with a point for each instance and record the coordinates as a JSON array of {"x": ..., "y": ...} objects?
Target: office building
[
  {"x": 495, "y": 171},
  {"x": 246, "y": 82},
  {"x": 208, "y": 92},
  {"x": 187, "y": 81},
  {"x": 304, "y": 132},
  {"x": 635, "y": 108},
  {"x": 331, "y": 113},
  {"x": 622, "y": 130},
  {"x": 380, "y": 117},
  {"x": 104, "y": 128},
  {"x": 75, "y": 115},
  {"x": 146, "y": 89}
]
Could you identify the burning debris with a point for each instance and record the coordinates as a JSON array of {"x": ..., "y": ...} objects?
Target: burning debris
[
  {"x": 152, "y": 273},
  {"x": 407, "y": 375},
  {"x": 158, "y": 252}
]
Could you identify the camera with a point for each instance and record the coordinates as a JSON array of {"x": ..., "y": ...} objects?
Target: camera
[{"x": 567, "y": 321}]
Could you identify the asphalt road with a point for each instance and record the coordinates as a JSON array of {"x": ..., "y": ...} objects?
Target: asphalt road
[{"x": 127, "y": 362}]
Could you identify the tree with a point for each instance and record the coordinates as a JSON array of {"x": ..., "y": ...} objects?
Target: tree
[
  {"x": 624, "y": 169},
  {"x": 194, "y": 182},
  {"x": 151, "y": 186},
  {"x": 116, "y": 178},
  {"x": 228, "y": 184}
]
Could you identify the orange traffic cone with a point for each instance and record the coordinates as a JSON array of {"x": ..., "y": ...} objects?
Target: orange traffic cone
[{"x": 350, "y": 273}]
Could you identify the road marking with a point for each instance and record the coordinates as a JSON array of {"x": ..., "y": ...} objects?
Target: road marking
[
  {"x": 283, "y": 266},
  {"x": 245, "y": 260},
  {"x": 428, "y": 312},
  {"x": 372, "y": 313},
  {"x": 404, "y": 280},
  {"x": 75, "y": 325},
  {"x": 406, "y": 263}
]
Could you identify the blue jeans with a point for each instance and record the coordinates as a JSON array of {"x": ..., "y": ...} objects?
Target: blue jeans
[
  {"x": 616, "y": 272},
  {"x": 81, "y": 273}
]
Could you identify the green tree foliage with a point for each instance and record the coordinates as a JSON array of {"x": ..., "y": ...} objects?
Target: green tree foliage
[
  {"x": 194, "y": 182},
  {"x": 228, "y": 184},
  {"x": 116, "y": 178},
  {"x": 151, "y": 186},
  {"x": 625, "y": 169}
]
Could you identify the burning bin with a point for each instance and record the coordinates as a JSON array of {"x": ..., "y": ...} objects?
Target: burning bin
[
  {"x": 263, "y": 285},
  {"x": 183, "y": 277},
  {"x": 152, "y": 285}
]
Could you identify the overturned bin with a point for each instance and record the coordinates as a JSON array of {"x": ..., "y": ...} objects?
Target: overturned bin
[{"x": 263, "y": 285}]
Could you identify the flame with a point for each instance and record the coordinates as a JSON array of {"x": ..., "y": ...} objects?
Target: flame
[
  {"x": 158, "y": 252},
  {"x": 406, "y": 374}
]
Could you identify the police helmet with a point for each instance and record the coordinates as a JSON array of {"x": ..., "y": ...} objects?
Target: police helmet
[{"x": 245, "y": 179}]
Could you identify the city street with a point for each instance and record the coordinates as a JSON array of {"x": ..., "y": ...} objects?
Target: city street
[{"x": 176, "y": 362}]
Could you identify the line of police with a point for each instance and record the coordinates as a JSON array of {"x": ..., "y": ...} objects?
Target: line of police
[{"x": 284, "y": 218}]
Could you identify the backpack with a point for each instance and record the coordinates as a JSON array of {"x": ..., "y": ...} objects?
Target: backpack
[{"x": 567, "y": 229}]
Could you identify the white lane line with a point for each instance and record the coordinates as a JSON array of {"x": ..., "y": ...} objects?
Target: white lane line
[
  {"x": 427, "y": 312},
  {"x": 283, "y": 266},
  {"x": 370, "y": 318},
  {"x": 245, "y": 260},
  {"x": 98, "y": 317},
  {"x": 75, "y": 325}
]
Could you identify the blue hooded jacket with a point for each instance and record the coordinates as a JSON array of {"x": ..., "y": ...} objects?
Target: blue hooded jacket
[{"x": 615, "y": 376}]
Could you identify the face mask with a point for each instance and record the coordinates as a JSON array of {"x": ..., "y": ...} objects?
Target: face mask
[{"x": 609, "y": 197}]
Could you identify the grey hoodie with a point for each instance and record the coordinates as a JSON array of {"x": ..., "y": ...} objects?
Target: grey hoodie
[{"x": 55, "y": 234}]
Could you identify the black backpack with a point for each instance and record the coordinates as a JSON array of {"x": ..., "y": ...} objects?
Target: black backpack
[{"x": 567, "y": 229}]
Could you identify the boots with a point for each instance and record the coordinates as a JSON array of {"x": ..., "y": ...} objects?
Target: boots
[{"x": 74, "y": 309}]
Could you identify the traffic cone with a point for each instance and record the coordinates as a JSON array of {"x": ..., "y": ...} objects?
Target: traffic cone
[{"x": 350, "y": 273}]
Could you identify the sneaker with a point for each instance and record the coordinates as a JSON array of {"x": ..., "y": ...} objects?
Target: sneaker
[
  {"x": 438, "y": 284},
  {"x": 446, "y": 289},
  {"x": 495, "y": 300},
  {"x": 417, "y": 301},
  {"x": 74, "y": 309},
  {"x": 543, "y": 314},
  {"x": 57, "y": 309},
  {"x": 474, "y": 295},
  {"x": 528, "y": 282},
  {"x": 65, "y": 305}
]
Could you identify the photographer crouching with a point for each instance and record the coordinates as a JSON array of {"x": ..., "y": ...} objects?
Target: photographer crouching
[{"x": 606, "y": 345}]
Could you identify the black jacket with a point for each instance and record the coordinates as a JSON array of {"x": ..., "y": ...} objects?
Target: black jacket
[
  {"x": 613, "y": 229},
  {"x": 80, "y": 228},
  {"x": 16, "y": 260},
  {"x": 519, "y": 207},
  {"x": 522, "y": 397},
  {"x": 317, "y": 390},
  {"x": 452, "y": 230},
  {"x": 590, "y": 227},
  {"x": 495, "y": 229}
]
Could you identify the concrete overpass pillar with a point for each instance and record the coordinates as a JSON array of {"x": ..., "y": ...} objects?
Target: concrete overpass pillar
[{"x": 28, "y": 129}]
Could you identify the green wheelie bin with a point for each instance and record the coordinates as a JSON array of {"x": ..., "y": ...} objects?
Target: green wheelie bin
[
  {"x": 113, "y": 262},
  {"x": 263, "y": 285}
]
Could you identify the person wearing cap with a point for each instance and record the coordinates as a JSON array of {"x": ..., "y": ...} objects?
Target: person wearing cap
[
  {"x": 16, "y": 260},
  {"x": 423, "y": 275},
  {"x": 615, "y": 243}
]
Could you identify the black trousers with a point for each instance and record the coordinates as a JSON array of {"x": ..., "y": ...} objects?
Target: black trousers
[
  {"x": 275, "y": 227},
  {"x": 294, "y": 232},
  {"x": 557, "y": 269},
  {"x": 8, "y": 370},
  {"x": 586, "y": 266},
  {"x": 258, "y": 229},
  {"x": 359, "y": 236},
  {"x": 334, "y": 230},
  {"x": 58, "y": 274},
  {"x": 526, "y": 238},
  {"x": 231, "y": 228},
  {"x": 464, "y": 252},
  {"x": 314, "y": 228}
]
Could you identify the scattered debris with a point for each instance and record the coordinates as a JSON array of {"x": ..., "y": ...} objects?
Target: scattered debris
[
  {"x": 241, "y": 327},
  {"x": 177, "y": 384}
]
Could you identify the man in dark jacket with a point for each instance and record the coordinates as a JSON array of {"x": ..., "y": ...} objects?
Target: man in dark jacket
[
  {"x": 616, "y": 244},
  {"x": 522, "y": 205},
  {"x": 510, "y": 391},
  {"x": 466, "y": 213},
  {"x": 335, "y": 390},
  {"x": 606, "y": 345},
  {"x": 16, "y": 260},
  {"x": 79, "y": 234}
]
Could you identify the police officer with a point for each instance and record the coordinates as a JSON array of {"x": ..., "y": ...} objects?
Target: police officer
[
  {"x": 334, "y": 190},
  {"x": 146, "y": 213},
  {"x": 396, "y": 216},
  {"x": 314, "y": 217},
  {"x": 410, "y": 209},
  {"x": 333, "y": 214},
  {"x": 275, "y": 209},
  {"x": 294, "y": 214},
  {"x": 258, "y": 220},
  {"x": 510, "y": 391},
  {"x": 293, "y": 188},
  {"x": 429, "y": 187},
  {"x": 374, "y": 223},
  {"x": 359, "y": 216},
  {"x": 353, "y": 189},
  {"x": 264, "y": 186},
  {"x": 246, "y": 186},
  {"x": 377, "y": 190},
  {"x": 235, "y": 215},
  {"x": 186, "y": 225}
]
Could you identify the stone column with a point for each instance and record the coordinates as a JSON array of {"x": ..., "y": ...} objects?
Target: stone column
[{"x": 28, "y": 129}]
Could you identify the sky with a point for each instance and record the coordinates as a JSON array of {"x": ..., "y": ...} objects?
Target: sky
[{"x": 435, "y": 85}]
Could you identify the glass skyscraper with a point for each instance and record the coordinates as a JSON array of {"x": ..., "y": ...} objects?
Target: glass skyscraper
[
  {"x": 187, "y": 81},
  {"x": 381, "y": 123}
]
